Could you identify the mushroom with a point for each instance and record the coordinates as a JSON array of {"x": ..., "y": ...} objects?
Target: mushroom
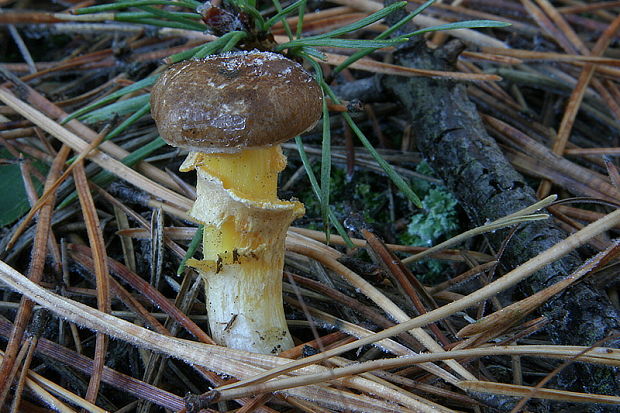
[{"x": 232, "y": 111}]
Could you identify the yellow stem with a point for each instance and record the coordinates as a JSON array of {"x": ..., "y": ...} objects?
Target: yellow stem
[{"x": 243, "y": 245}]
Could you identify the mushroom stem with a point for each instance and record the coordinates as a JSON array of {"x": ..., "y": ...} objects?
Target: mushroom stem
[
  {"x": 238, "y": 107},
  {"x": 243, "y": 245}
]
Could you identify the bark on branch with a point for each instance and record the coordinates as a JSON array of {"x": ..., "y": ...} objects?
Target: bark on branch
[{"x": 451, "y": 136}]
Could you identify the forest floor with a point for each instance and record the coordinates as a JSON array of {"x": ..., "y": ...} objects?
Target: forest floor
[{"x": 468, "y": 180}]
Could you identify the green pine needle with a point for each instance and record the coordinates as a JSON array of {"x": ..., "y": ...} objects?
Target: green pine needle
[
  {"x": 104, "y": 177},
  {"x": 120, "y": 108},
  {"x": 139, "y": 3},
  {"x": 317, "y": 191},
  {"x": 344, "y": 43},
  {"x": 470, "y": 24},
  {"x": 141, "y": 84},
  {"x": 144, "y": 110},
  {"x": 191, "y": 249},
  {"x": 387, "y": 168},
  {"x": 326, "y": 166}
]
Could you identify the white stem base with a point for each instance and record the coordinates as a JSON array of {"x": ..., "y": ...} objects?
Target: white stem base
[{"x": 244, "y": 302}]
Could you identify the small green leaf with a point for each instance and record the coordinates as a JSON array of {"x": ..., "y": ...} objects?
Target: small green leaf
[{"x": 13, "y": 199}]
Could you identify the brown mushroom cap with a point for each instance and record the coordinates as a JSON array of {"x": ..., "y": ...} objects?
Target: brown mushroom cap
[{"x": 235, "y": 100}]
